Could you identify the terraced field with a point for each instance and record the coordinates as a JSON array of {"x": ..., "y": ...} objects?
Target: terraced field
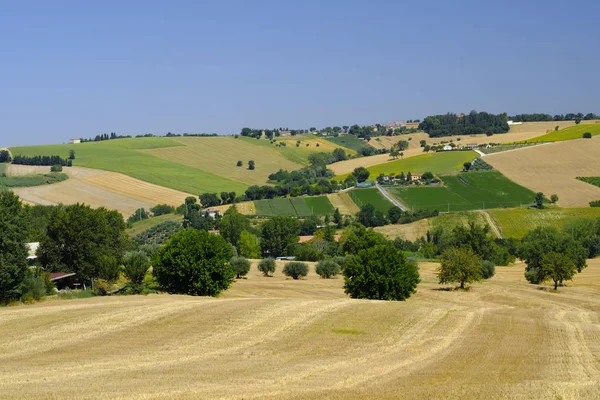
[{"x": 271, "y": 338}]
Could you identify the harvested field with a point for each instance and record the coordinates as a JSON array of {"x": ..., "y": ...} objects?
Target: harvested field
[
  {"x": 246, "y": 208},
  {"x": 553, "y": 168},
  {"x": 272, "y": 338},
  {"x": 343, "y": 202},
  {"x": 102, "y": 189},
  {"x": 20, "y": 170},
  {"x": 412, "y": 231},
  {"x": 345, "y": 167}
]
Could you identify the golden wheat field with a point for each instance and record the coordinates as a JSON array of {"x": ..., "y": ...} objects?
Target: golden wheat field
[
  {"x": 343, "y": 202},
  {"x": 552, "y": 168},
  {"x": 98, "y": 188},
  {"x": 275, "y": 338}
]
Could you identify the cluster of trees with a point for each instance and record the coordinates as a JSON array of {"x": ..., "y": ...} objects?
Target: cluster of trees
[
  {"x": 558, "y": 117},
  {"x": 105, "y": 136},
  {"x": 42, "y": 160},
  {"x": 473, "y": 123},
  {"x": 370, "y": 217},
  {"x": 407, "y": 179},
  {"x": 5, "y": 156}
]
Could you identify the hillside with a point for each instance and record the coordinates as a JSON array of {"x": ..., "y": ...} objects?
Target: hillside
[{"x": 270, "y": 338}]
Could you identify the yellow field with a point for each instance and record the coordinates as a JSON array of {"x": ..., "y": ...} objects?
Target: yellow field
[
  {"x": 101, "y": 189},
  {"x": 552, "y": 168},
  {"x": 273, "y": 338},
  {"x": 343, "y": 202},
  {"x": 412, "y": 231},
  {"x": 246, "y": 208},
  {"x": 219, "y": 156},
  {"x": 20, "y": 170}
]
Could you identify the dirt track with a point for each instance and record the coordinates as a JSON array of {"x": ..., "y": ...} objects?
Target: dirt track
[{"x": 272, "y": 338}]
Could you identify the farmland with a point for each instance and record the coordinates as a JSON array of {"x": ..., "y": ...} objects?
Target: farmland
[
  {"x": 592, "y": 180},
  {"x": 275, "y": 337},
  {"x": 31, "y": 180},
  {"x": 296, "y": 206},
  {"x": 570, "y": 133},
  {"x": 370, "y": 196},
  {"x": 415, "y": 230},
  {"x": 553, "y": 168},
  {"x": 442, "y": 162},
  {"x": 349, "y": 141},
  {"x": 145, "y": 224},
  {"x": 516, "y": 223},
  {"x": 343, "y": 202}
]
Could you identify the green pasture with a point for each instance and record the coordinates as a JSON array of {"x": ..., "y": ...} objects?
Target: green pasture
[
  {"x": 370, "y": 196},
  {"x": 295, "y": 206},
  {"x": 569, "y": 133}
]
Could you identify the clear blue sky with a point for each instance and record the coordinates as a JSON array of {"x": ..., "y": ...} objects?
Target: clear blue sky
[{"x": 78, "y": 68}]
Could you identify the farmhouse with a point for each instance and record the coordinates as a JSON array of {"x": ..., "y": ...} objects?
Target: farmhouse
[
  {"x": 416, "y": 177},
  {"x": 74, "y": 141},
  {"x": 447, "y": 148},
  {"x": 470, "y": 146}
]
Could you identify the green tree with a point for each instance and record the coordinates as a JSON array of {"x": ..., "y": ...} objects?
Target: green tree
[
  {"x": 394, "y": 215},
  {"x": 162, "y": 209},
  {"x": 194, "y": 262},
  {"x": 381, "y": 272},
  {"x": 240, "y": 266},
  {"x": 356, "y": 238},
  {"x": 553, "y": 198},
  {"x": 587, "y": 135},
  {"x": 109, "y": 269},
  {"x": 295, "y": 269},
  {"x": 427, "y": 176},
  {"x": 394, "y": 153},
  {"x": 361, "y": 174},
  {"x": 557, "y": 267},
  {"x": 240, "y": 163},
  {"x": 279, "y": 235},
  {"x": 251, "y": 165},
  {"x": 328, "y": 269},
  {"x": 248, "y": 245},
  {"x": 460, "y": 265},
  {"x": 232, "y": 225},
  {"x": 135, "y": 268},
  {"x": 267, "y": 266},
  {"x": 209, "y": 200},
  {"x": 488, "y": 269},
  {"x": 78, "y": 237},
  {"x": 309, "y": 225},
  {"x": 71, "y": 154},
  {"x": 337, "y": 218},
  {"x": 539, "y": 200}
]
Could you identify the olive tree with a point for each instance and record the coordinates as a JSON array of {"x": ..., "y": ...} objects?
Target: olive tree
[
  {"x": 295, "y": 269},
  {"x": 240, "y": 266},
  {"x": 328, "y": 268},
  {"x": 557, "y": 267},
  {"x": 267, "y": 266}
]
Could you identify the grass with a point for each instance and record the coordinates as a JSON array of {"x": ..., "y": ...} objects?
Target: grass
[
  {"x": 462, "y": 192},
  {"x": 2, "y": 168},
  {"x": 349, "y": 141},
  {"x": 516, "y": 223},
  {"x": 592, "y": 180},
  {"x": 295, "y": 206},
  {"x": 438, "y": 163},
  {"x": 572, "y": 132},
  {"x": 370, "y": 196},
  {"x": 145, "y": 224},
  {"x": 269, "y": 338},
  {"x": 31, "y": 180}
]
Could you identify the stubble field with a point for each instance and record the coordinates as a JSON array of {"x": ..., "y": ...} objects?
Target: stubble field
[{"x": 272, "y": 338}]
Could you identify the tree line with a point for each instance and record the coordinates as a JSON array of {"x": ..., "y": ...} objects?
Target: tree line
[
  {"x": 537, "y": 117},
  {"x": 475, "y": 122},
  {"x": 42, "y": 160}
]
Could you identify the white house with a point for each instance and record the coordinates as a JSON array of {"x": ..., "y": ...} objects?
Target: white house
[
  {"x": 447, "y": 148},
  {"x": 74, "y": 141}
]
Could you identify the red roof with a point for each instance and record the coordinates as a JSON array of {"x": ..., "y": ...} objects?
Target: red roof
[{"x": 54, "y": 276}]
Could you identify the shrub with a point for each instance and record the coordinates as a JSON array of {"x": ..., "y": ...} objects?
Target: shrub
[
  {"x": 109, "y": 269},
  {"x": 295, "y": 269},
  {"x": 380, "y": 272},
  {"x": 194, "y": 262},
  {"x": 341, "y": 260},
  {"x": 595, "y": 203},
  {"x": 488, "y": 269},
  {"x": 56, "y": 168},
  {"x": 162, "y": 209},
  {"x": 135, "y": 267},
  {"x": 587, "y": 135},
  {"x": 328, "y": 268},
  {"x": 240, "y": 266},
  {"x": 33, "y": 288},
  {"x": 267, "y": 266},
  {"x": 139, "y": 215},
  {"x": 101, "y": 287}
]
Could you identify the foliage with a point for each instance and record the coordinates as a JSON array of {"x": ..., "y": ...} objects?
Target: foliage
[
  {"x": 361, "y": 174},
  {"x": 558, "y": 267},
  {"x": 328, "y": 268},
  {"x": 31, "y": 180},
  {"x": 13, "y": 253},
  {"x": 595, "y": 203},
  {"x": 267, "y": 266},
  {"x": 78, "y": 237},
  {"x": 240, "y": 266},
  {"x": 488, "y": 269},
  {"x": 356, "y": 238},
  {"x": 162, "y": 209},
  {"x": 135, "y": 268},
  {"x": 232, "y": 225},
  {"x": 5, "y": 156},
  {"x": 158, "y": 234},
  {"x": 592, "y": 180},
  {"x": 279, "y": 235},
  {"x": 553, "y": 198},
  {"x": 108, "y": 269},
  {"x": 209, "y": 200},
  {"x": 139, "y": 215},
  {"x": 587, "y": 135},
  {"x": 33, "y": 288},
  {"x": 248, "y": 245},
  {"x": 381, "y": 272},
  {"x": 309, "y": 225},
  {"x": 460, "y": 265},
  {"x": 194, "y": 262},
  {"x": 370, "y": 217},
  {"x": 539, "y": 200},
  {"x": 56, "y": 168},
  {"x": 41, "y": 160},
  {"x": 470, "y": 124},
  {"x": 295, "y": 269}
]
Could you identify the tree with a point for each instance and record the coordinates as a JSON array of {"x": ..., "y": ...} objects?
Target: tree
[
  {"x": 488, "y": 269},
  {"x": 71, "y": 154},
  {"x": 328, "y": 268},
  {"x": 370, "y": 217},
  {"x": 4, "y": 156},
  {"x": 209, "y": 200},
  {"x": 109, "y": 269},
  {"x": 279, "y": 235},
  {"x": 401, "y": 154},
  {"x": 162, "y": 209},
  {"x": 248, "y": 245},
  {"x": 267, "y": 266},
  {"x": 361, "y": 174},
  {"x": 587, "y": 135},
  {"x": 427, "y": 176},
  {"x": 251, "y": 165},
  {"x": 194, "y": 262},
  {"x": 554, "y": 198},
  {"x": 135, "y": 268},
  {"x": 240, "y": 266},
  {"x": 309, "y": 225},
  {"x": 79, "y": 237},
  {"x": 240, "y": 163},
  {"x": 459, "y": 265},
  {"x": 337, "y": 218},
  {"x": 558, "y": 267},
  {"x": 232, "y": 225},
  {"x": 295, "y": 269},
  {"x": 394, "y": 153},
  {"x": 467, "y": 166},
  {"x": 539, "y": 200},
  {"x": 394, "y": 215},
  {"x": 381, "y": 272},
  {"x": 356, "y": 238},
  {"x": 246, "y": 132}
]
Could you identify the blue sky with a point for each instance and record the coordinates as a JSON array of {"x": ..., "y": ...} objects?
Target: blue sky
[{"x": 78, "y": 68}]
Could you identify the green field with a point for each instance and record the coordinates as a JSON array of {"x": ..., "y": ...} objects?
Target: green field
[
  {"x": 592, "y": 180},
  {"x": 572, "y": 132},
  {"x": 438, "y": 163},
  {"x": 470, "y": 191},
  {"x": 350, "y": 142},
  {"x": 516, "y": 223},
  {"x": 370, "y": 196},
  {"x": 31, "y": 180},
  {"x": 145, "y": 224},
  {"x": 2, "y": 169},
  {"x": 295, "y": 206}
]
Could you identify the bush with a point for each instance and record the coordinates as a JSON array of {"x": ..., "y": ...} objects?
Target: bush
[
  {"x": 240, "y": 266},
  {"x": 139, "y": 215},
  {"x": 109, "y": 269},
  {"x": 328, "y": 268},
  {"x": 102, "y": 287},
  {"x": 595, "y": 203},
  {"x": 135, "y": 267},
  {"x": 380, "y": 272},
  {"x": 162, "y": 209},
  {"x": 267, "y": 266},
  {"x": 587, "y": 135},
  {"x": 56, "y": 168},
  {"x": 33, "y": 288},
  {"x": 341, "y": 260},
  {"x": 488, "y": 269},
  {"x": 194, "y": 262},
  {"x": 295, "y": 269}
]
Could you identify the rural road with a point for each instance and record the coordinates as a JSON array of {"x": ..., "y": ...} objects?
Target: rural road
[
  {"x": 390, "y": 198},
  {"x": 491, "y": 224}
]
